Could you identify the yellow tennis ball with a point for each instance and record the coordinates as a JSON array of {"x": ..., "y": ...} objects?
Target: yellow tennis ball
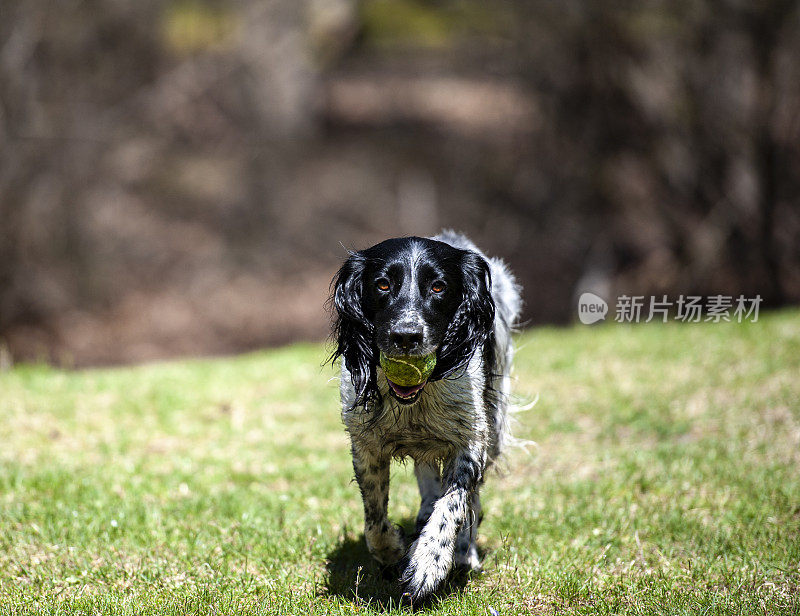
[{"x": 407, "y": 370}]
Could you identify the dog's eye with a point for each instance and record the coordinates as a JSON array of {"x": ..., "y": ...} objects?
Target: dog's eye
[
  {"x": 382, "y": 284},
  {"x": 437, "y": 287}
]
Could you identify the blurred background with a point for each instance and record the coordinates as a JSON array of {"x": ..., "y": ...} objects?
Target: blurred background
[{"x": 184, "y": 177}]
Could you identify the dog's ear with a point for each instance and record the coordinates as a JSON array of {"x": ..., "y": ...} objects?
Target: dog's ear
[
  {"x": 353, "y": 331},
  {"x": 472, "y": 328}
]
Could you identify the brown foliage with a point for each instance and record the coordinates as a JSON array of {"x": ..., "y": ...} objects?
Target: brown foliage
[{"x": 181, "y": 177}]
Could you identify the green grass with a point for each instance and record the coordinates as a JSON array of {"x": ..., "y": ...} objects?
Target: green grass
[{"x": 665, "y": 479}]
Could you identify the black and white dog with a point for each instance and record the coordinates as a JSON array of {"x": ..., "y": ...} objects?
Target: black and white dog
[{"x": 414, "y": 296}]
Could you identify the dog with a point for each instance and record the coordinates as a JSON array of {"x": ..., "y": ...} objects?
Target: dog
[{"x": 414, "y": 296}]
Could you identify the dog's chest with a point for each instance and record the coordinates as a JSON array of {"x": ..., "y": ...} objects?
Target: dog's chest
[{"x": 445, "y": 420}]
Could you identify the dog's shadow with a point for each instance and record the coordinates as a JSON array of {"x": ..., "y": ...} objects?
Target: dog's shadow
[{"x": 354, "y": 575}]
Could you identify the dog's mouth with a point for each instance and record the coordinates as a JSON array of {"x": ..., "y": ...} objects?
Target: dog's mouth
[{"x": 405, "y": 395}]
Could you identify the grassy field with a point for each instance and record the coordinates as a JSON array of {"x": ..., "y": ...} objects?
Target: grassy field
[{"x": 664, "y": 479}]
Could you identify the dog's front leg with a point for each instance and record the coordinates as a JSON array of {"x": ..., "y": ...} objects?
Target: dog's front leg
[
  {"x": 384, "y": 540},
  {"x": 429, "y": 481},
  {"x": 430, "y": 557}
]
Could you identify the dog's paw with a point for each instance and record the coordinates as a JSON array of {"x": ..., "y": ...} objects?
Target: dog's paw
[
  {"x": 425, "y": 568},
  {"x": 389, "y": 573},
  {"x": 466, "y": 555},
  {"x": 387, "y": 545},
  {"x": 468, "y": 558}
]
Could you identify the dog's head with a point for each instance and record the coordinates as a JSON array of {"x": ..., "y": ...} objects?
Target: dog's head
[{"x": 410, "y": 296}]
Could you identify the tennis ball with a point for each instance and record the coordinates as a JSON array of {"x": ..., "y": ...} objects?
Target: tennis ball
[{"x": 408, "y": 371}]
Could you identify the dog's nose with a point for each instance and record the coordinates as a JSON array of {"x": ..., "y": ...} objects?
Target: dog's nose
[{"x": 406, "y": 337}]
